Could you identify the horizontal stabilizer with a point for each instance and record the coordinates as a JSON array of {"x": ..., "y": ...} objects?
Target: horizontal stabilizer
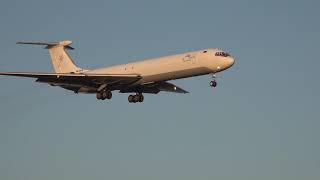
[{"x": 65, "y": 43}]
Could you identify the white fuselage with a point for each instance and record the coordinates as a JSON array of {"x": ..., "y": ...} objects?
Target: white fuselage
[
  {"x": 147, "y": 76},
  {"x": 172, "y": 67}
]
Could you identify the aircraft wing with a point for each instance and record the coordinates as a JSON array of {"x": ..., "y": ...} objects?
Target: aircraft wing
[{"x": 93, "y": 80}]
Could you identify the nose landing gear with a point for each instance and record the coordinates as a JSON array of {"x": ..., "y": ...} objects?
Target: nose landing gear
[
  {"x": 136, "y": 98},
  {"x": 213, "y": 83}
]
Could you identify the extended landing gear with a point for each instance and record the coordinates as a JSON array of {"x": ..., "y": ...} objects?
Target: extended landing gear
[
  {"x": 213, "y": 83},
  {"x": 105, "y": 94},
  {"x": 136, "y": 98}
]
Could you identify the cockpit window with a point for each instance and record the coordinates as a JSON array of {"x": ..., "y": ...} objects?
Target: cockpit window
[{"x": 223, "y": 54}]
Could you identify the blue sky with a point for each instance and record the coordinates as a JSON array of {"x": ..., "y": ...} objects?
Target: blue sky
[{"x": 261, "y": 122}]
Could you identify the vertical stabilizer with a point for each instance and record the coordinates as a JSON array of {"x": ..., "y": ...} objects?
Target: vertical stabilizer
[{"x": 61, "y": 61}]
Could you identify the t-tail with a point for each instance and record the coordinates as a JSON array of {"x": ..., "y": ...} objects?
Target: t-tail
[{"x": 61, "y": 61}]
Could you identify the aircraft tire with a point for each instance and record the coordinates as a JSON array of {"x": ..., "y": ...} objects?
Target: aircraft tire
[
  {"x": 99, "y": 96},
  {"x": 213, "y": 83},
  {"x": 141, "y": 98},
  {"x": 103, "y": 95},
  {"x": 130, "y": 98},
  {"x": 108, "y": 94},
  {"x": 136, "y": 98}
]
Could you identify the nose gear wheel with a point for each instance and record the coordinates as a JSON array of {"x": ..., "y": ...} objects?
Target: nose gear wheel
[{"x": 213, "y": 83}]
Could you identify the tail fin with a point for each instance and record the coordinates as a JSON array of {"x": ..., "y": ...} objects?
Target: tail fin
[{"x": 61, "y": 61}]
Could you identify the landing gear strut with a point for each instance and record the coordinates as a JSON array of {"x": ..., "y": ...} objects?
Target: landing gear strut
[
  {"x": 104, "y": 94},
  {"x": 213, "y": 83},
  {"x": 136, "y": 98}
]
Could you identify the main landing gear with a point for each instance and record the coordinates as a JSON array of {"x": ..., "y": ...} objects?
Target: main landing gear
[
  {"x": 213, "y": 83},
  {"x": 104, "y": 94},
  {"x": 136, "y": 98}
]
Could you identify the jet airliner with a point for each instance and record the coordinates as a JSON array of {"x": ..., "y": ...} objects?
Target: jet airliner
[{"x": 147, "y": 76}]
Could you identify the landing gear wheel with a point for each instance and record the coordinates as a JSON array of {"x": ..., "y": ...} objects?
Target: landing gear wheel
[
  {"x": 108, "y": 94},
  {"x": 130, "y": 98},
  {"x": 213, "y": 83},
  {"x": 136, "y": 98},
  {"x": 103, "y": 95},
  {"x": 99, "y": 96}
]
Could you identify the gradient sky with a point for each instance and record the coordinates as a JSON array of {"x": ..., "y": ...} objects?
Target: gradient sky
[{"x": 261, "y": 122}]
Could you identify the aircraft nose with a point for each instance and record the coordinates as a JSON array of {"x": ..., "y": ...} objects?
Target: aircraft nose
[{"x": 229, "y": 62}]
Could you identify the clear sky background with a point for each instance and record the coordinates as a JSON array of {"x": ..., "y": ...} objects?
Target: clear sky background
[{"x": 261, "y": 122}]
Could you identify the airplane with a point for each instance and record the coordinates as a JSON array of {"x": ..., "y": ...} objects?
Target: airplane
[{"x": 147, "y": 76}]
